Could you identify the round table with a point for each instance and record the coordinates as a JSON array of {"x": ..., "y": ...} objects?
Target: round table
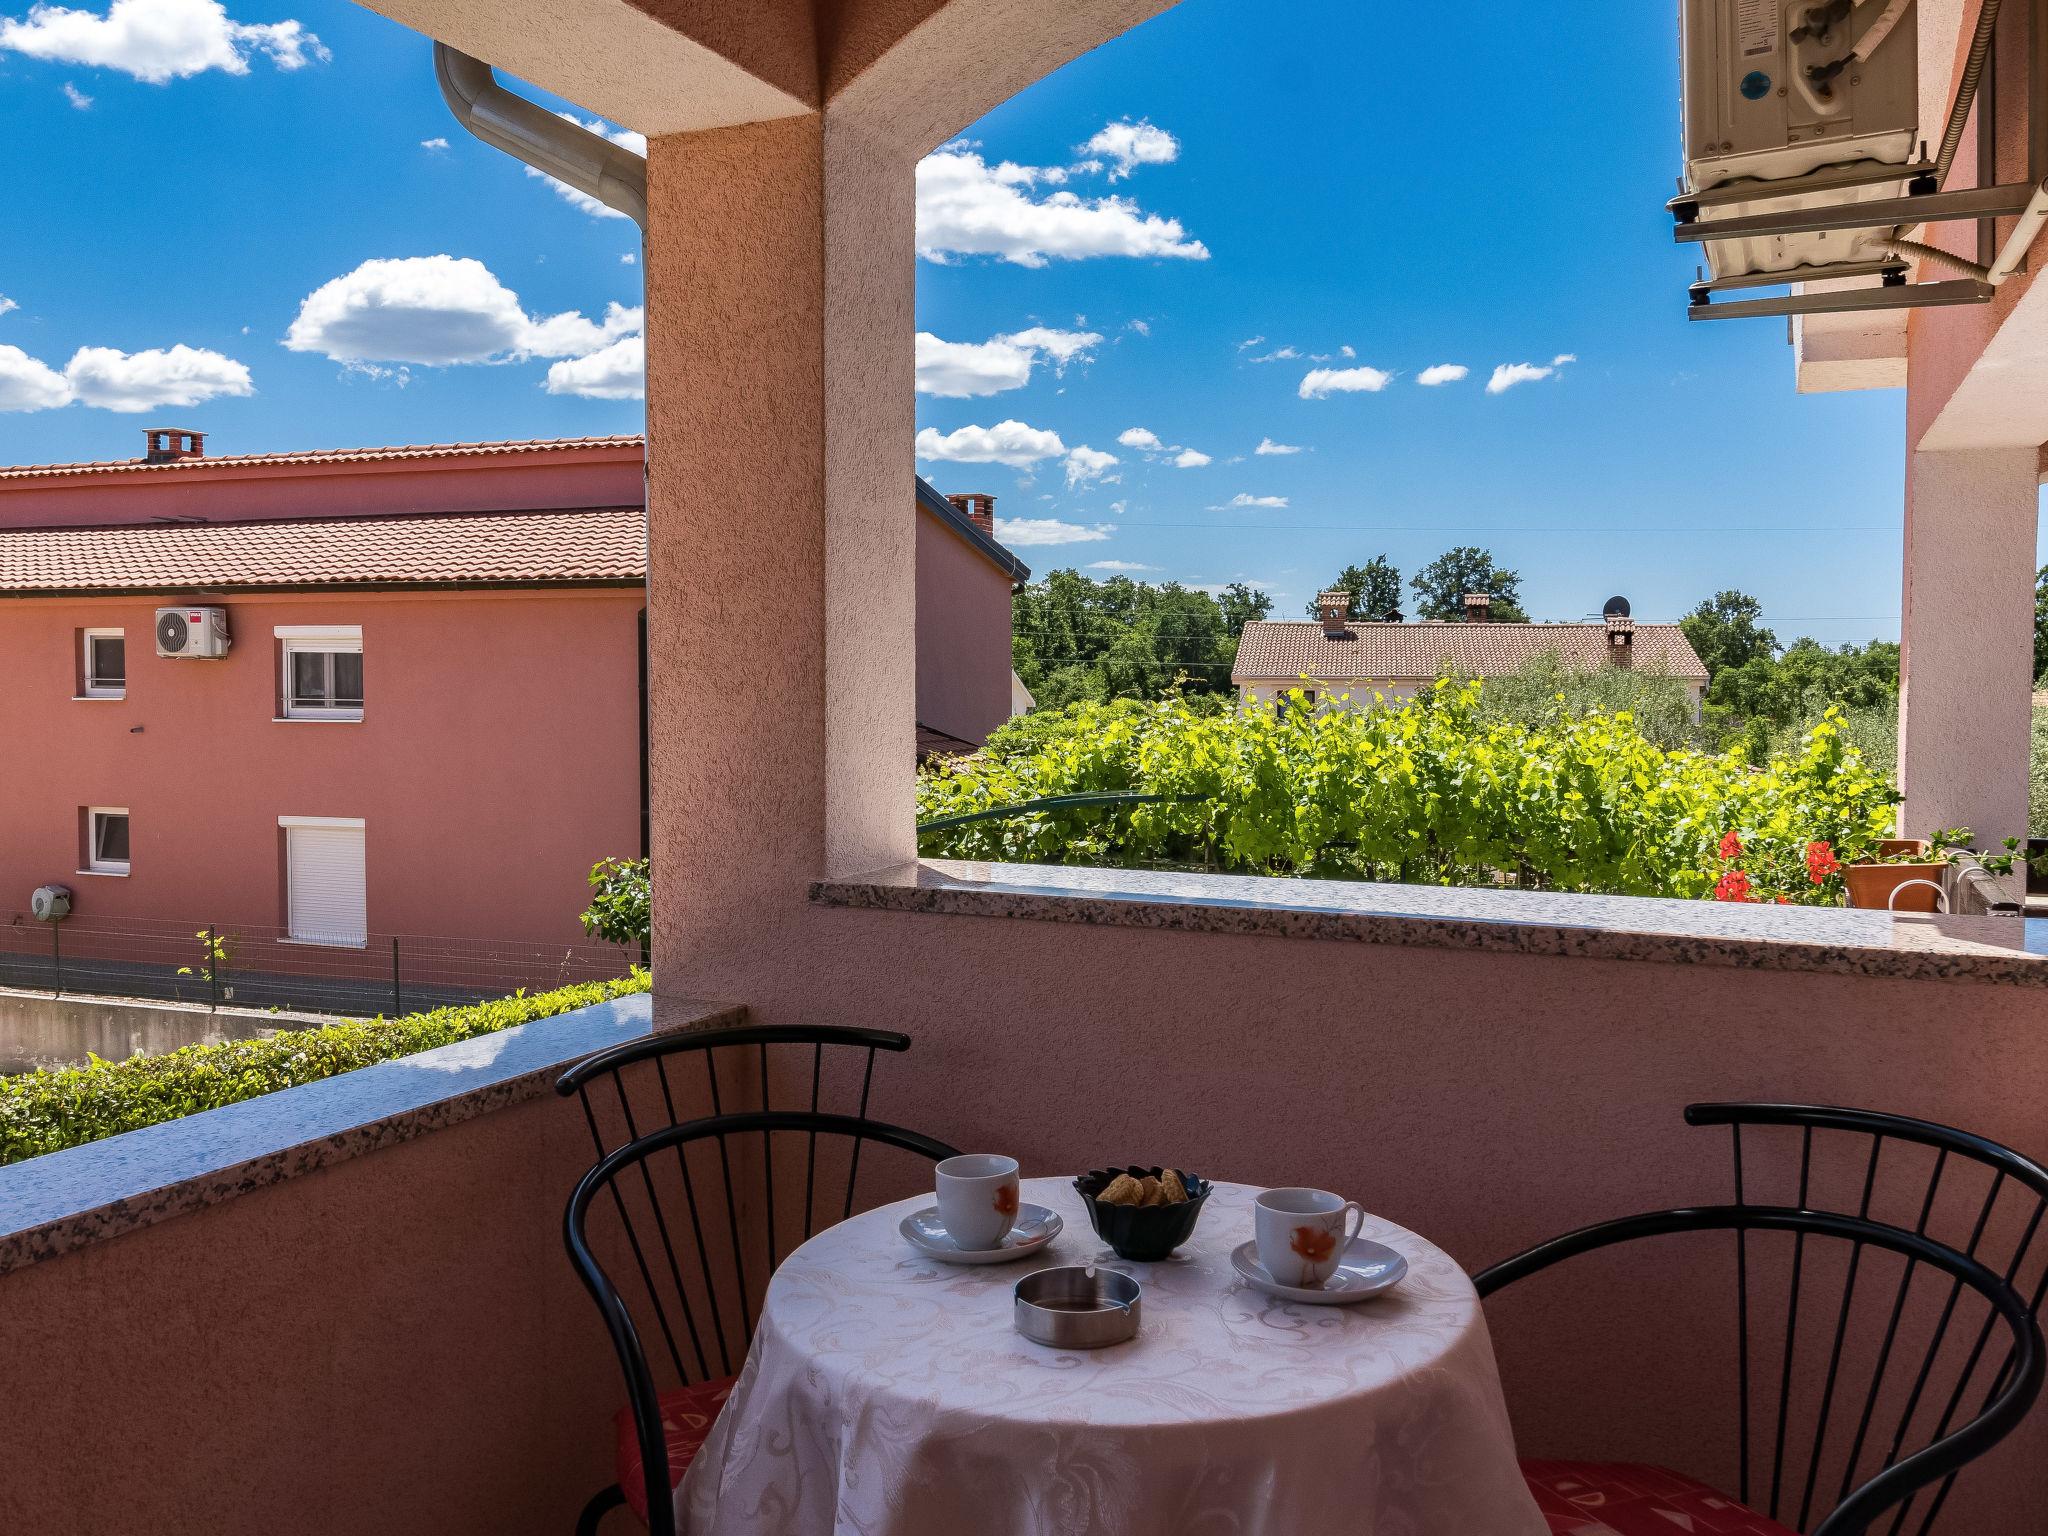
[{"x": 888, "y": 1394}]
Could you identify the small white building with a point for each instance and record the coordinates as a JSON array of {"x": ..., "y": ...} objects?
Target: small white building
[{"x": 1332, "y": 659}]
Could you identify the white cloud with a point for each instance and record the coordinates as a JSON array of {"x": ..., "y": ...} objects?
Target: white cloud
[
  {"x": 27, "y": 384},
  {"x": 956, "y": 369},
  {"x": 1190, "y": 458},
  {"x": 1131, "y": 145},
  {"x": 1508, "y": 375},
  {"x": 1142, "y": 438},
  {"x": 627, "y": 258},
  {"x": 1321, "y": 383},
  {"x": 6, "y": 304},
  {"x": 433, "y": 144},
  {"x": 1562, "y": 358},
  {"x": 1085, "y": 464},
  {"x": 1277, "y": 355},
  {"x": 967, "y": 208},
  {"x": 1441, "y": 373},
  {"x": 1268, "y": 446},
  {"x": 616, "y": 372},
  {"x": 1007, "y": 442},
  {"x": 76, "y": 97},
  {"x": 1118, "y": 506},
  {"x": 1142, "y": 327},
  {"x": 626, "y": 138},
  {"x": 145, "y": 381},
  {"x": 1025, "y": 532},
  {"x": 157, "y": 40},
  {"x": 115, "y": 380},
  {"x": 1120, "y": 565},
  {"x": 1249, "y": 342},
  {"x": 1347, "y": 351},
  {"x": 1245, "y": 499},
  {"x": 440, "y": 310}
]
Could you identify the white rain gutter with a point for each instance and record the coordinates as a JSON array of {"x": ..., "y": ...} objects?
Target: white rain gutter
[
  {"x": 529, "y": 133},
  {"x": 2014, "y": 251}
]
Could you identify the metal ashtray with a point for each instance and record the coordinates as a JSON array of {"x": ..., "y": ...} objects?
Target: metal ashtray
[{"x": 1076, "y": 1307}]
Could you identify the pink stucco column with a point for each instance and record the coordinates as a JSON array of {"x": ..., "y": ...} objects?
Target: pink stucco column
[
  {"x": 1966, "y": 673},
  {"x": 781, "y": 528}
]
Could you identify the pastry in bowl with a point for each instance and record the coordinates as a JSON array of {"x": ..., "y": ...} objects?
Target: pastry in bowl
[{"x": 1142, "y": 1213}]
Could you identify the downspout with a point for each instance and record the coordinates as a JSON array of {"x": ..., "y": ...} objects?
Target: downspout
[
  {"x": 590, "y": 163},
  {"x": 531, "y": 134}
]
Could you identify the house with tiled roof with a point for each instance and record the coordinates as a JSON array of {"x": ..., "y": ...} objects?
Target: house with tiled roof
[
  {"x": 1334, "y": 661},
  {"x": 373, "y": 691}
]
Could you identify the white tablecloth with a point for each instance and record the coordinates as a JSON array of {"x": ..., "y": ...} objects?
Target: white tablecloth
[{"x": 887, "y": 1394}]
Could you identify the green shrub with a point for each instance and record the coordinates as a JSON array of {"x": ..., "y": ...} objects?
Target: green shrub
[
  {"x": 621, "y": 901},
  {"x": 1428, "y": 791},
  {"x": 67, "y": 1106}
]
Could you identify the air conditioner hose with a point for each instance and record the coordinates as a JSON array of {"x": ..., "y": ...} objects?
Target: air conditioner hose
[
  {"x": 1966, "y": 93},
  {"x": 1920, "y": 251}
]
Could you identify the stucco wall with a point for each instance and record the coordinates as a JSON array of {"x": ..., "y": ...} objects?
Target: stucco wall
[
  {"x": 497, "y": 759},
  {"x": 963, "y": 635}
]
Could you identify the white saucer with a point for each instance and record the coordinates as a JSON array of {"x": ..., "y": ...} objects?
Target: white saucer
[
  {"x": 1366, "y": 1269},
  {"x": 1036, "y": 1226}
]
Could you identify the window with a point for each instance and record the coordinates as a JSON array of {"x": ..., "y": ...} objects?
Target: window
[
  {"x": 322, "y": 672},
  {"x": 106, "y": 831},
  {"x": 325, "y": 888},
  {"x": 103, "y": 664}
]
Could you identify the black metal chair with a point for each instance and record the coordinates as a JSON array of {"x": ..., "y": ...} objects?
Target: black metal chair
[
  {"x": 638, "y": 1222},
  {"x": 1895, "y": 1482}
]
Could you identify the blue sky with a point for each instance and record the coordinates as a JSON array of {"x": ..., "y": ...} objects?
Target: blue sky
[{"x": 1321, "y": 176}]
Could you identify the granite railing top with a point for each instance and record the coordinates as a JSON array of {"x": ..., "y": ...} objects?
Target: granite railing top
[
  {"x": 60, "y": 1201},
  {"x": 2010, "y": 951}
]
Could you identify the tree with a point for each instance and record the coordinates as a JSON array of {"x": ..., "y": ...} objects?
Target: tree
[
  {"x": 1441, "y": 585},
  {"x": 1075, "y": 640},
  {"x": 1375, "y": 589},
  {"x": 2041, "y": 626},
  {"x": 1241, "y": 605},
  {"x": 1724, "y": 632}
]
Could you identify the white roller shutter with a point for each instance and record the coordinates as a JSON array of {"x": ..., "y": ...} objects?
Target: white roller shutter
[{"x": 324, "y": 871}]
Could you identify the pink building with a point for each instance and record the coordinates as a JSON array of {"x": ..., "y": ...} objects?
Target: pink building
[{"x": 392, "y": 691}]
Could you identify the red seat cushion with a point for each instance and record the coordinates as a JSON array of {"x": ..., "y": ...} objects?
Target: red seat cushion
[
  {"x": 1618, "y": 1498},
  {"x": 686, "y": 1418}
]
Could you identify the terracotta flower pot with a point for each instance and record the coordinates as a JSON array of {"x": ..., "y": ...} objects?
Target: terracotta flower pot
[{"x": 1871, "y": 885}]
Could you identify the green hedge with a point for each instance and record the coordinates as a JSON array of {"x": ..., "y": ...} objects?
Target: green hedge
[{"x": 67, "y": 1106}]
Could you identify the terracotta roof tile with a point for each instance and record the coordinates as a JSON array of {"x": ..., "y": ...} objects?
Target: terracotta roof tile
[
  {"x": 321, "y": 456},
  {"x": 1272, "y": 650},
  {"x": 479, "y": 549}
]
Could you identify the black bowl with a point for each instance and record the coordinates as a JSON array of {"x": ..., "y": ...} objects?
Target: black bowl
[{"x": 1142, "y": 1233}]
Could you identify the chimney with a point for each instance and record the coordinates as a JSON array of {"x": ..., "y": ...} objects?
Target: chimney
[
  {"x": 1331, "y": 608},
  {"x": 167, "y": 445},
  {"x": 1478, "y": 607},
  {"x": 977, "y": 509},
  {"x": 1621, "y": 632}
]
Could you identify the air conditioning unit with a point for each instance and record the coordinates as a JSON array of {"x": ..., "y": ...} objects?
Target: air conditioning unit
[
  {"x": 196, "y": 632},
  {"x": 50, "y": 903},
  {"x": 1812, "y": 102}
]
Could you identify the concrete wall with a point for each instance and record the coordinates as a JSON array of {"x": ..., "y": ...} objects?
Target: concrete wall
[
  {"x": 963, "y": 635},
  {"x": 38, "y": 1030},
  {"x": 497, "y": 759}
]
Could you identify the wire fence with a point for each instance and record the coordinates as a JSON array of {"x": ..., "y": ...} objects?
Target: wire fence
[{"x": 246, "y": 965}]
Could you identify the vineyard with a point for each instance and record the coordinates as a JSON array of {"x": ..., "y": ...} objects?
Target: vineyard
[{"x": 1426, "y": 791}]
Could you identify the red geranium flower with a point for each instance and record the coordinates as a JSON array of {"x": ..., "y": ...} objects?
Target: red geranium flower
[
  {"x": 1731, "y": 846},
  {"x": 1733, "y": 886},
  {"x": 1821, "y": 862}
]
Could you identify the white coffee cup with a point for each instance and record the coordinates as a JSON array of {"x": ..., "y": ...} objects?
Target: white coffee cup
[
  {"x": 978, "y": 1199},
  {"x": 1302, "y": 1233}
]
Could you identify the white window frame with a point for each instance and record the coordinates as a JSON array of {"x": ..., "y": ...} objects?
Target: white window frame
[
  {"x": 90, "y": 687},
  {"x": 344, "y": 823},
  {"x": 94, "y": 864},
  {"x": 311, "y": 639}
]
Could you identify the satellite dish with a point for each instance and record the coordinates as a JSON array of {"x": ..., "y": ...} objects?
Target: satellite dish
[{"x": 1617, "y": 608}]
